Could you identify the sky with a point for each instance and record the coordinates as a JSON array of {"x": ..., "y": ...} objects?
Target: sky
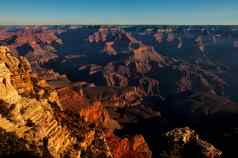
[{"x": 164, "y": 12}]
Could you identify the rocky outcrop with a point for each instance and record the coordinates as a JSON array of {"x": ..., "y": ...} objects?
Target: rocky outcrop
[
  {"x": 70, "y": 99},
  {"x": 35, "y": 120},
  {"x": 92, "y": 113},
  {"x": 116, "y": 78},
  {"x": 143, "y": 56},
  {"x": 99, "y": 36},
  {"x": 20, "y": 70},
  {"x": 187, "y": 139},
  {"x": 134, "y": 147},
  {"x": 128, "y": 97},
  {"x": 108, "y": 49}
]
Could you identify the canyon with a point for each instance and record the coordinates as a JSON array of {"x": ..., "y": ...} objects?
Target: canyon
[{"x": 118, "y": 91}]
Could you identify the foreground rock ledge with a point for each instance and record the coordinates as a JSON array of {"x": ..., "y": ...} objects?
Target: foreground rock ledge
[{"x": 33, "y": 121}]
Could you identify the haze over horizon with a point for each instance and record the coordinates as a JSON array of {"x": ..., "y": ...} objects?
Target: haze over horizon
[{"x": 124, "y": 12}]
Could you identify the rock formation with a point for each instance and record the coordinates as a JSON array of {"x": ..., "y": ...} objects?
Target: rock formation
[
  {"x": 100, "y": 36},
  {"x": 134, "y": 147},
  {"x": 34, "y": 42},
  {"x": 187, "y": 138},
  {"x": 34, "y": 120},
  {"x": 108, "y": 49},
  {"x": 158, "y": 37},
  {"x": 143, "y": 56},
  {"x": 200, "y": 44},
  {"x": 20, "y": 70}
]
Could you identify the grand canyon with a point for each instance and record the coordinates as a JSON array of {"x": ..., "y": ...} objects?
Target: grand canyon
[{"x": 119, "y": 91}]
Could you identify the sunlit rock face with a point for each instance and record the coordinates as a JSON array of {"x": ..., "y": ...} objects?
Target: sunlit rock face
[
  {"x": 187, "y": 138},
  {"x": 99, "y": 36},
  {"x": 19, "y": 70},
  {"x": 34, "y": 120},
  {"x": 134, "y": 147},
  {"x": 143, "y": 56},
  {"x": 108, "y": 49},
  {"x": 7, "y": 92}
]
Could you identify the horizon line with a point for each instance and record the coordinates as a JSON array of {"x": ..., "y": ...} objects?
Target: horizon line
[{"x": 118, "y": 24}]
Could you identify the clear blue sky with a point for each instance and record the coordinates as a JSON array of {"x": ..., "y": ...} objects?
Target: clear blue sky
[{"x": 118, "y": 12}]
